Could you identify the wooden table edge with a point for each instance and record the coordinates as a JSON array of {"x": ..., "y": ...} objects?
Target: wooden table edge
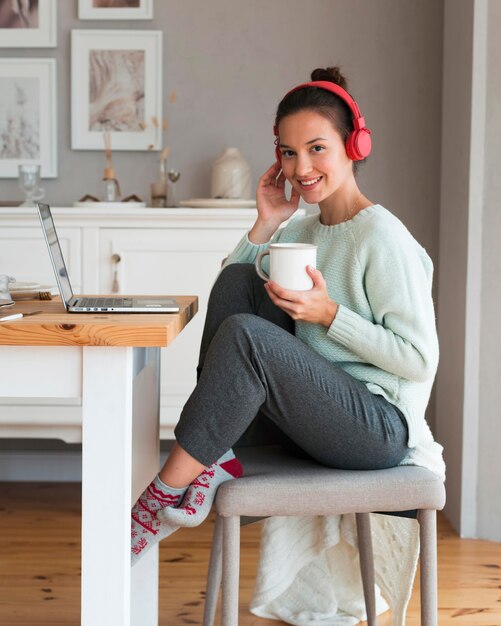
[{"x": 55, "y": 327}]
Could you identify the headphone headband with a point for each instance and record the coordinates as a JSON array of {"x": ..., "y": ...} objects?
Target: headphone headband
[
  {"x": 358, "y": 145},
  {"x": 339, "y": 91}
]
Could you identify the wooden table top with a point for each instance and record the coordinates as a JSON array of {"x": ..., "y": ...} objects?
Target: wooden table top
[{"x": 55, "y": 327}]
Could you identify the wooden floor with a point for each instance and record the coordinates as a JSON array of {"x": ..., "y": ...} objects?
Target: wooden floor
[{"x": 40, "y": 567}]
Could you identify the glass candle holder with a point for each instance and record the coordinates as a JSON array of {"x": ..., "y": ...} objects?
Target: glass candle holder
[{"x": 28, "y": 181}]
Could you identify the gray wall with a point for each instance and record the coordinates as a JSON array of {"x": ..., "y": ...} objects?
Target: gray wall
[
  {"x": 230, "y": 61},
  {"x": 454, "y": 221},
  {"x": 468, "y": 390}
]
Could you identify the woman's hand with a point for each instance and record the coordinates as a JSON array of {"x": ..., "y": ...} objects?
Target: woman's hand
[
  {"x": 272, "y": 205},
  {"x": 314, "y": 306}
]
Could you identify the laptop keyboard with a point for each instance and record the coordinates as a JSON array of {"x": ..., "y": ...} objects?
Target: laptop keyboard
[{"x": 105, "y": 302}]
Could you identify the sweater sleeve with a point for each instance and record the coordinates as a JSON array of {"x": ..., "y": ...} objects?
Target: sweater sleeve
[
  {"x": 245, "y": 251},
  {"x": 401, "y": 338}
]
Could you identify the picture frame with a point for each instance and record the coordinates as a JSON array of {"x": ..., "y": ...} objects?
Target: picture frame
[
  {"x": 87, "y": 10},
  {"x": 116, "y": 85},
  {"x": 28, "y": 116},
  {"x": 34, "y": 27}
]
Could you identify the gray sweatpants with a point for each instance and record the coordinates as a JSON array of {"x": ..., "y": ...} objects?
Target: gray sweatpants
[{"x": 258, "y": 383}]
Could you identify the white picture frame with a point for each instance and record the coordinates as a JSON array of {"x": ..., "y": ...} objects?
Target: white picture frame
[
  {"x": 28, "y": 116},
  {"x": 87, "y": 11},
  {"x": 24, "y": 35},
  {"x": 116, "y": 85}
]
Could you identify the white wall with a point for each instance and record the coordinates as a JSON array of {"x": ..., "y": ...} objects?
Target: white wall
[{"x": 489, "y": 466}]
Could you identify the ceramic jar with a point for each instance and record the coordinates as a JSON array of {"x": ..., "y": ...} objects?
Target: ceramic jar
[{"x": 231, "y": 176}]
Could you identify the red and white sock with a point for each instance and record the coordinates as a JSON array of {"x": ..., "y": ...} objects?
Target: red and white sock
[
  {"x": 198, "y": 500},
  {"x": 146, "y": 528}
]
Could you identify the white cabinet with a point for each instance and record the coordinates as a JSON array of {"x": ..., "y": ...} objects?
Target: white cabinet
[
  {"x": 23, "y": 253},
  {"x": 162, "y": 251},
  {"x": 169, "y": 261}
]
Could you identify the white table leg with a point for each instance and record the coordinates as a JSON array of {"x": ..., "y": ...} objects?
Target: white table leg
[{"x": 120, "y": 456}]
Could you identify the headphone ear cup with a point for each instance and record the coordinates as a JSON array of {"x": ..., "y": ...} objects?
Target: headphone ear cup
[{"x": 359, "y": 144}]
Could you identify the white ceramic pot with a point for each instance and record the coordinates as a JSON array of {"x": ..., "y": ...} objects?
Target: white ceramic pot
[{"x": 231, "y": 176}]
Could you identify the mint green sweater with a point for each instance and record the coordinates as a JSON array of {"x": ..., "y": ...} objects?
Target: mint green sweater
[{"x": 384, "y": 332}]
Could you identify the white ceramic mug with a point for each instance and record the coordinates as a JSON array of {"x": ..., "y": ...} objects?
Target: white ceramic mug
[{"x": 288, "y": 263}]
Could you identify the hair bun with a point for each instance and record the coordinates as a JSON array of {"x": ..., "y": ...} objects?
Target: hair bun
[{"x": 331, "y": 74}]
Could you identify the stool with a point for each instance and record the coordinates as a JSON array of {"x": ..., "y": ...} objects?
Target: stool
[{"x": 275, "y": 483}]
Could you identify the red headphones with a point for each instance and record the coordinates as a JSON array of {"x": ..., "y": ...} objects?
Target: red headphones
[{"x": 359, "y": 143}]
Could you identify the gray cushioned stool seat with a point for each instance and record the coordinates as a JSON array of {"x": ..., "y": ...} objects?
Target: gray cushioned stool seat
[
  {"x": 298, "y": 484},
  {"x": 278, "y": 484}
]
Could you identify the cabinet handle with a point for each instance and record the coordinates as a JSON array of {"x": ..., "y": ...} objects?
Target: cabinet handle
[{"x": 115, "y": 286}]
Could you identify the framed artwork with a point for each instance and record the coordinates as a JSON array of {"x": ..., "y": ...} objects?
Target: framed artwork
[
  {"x": 27, "y": 23},
  {"x": 115, "y": 9},
  {"x": 28, "y": 133},
  {"x": 116, "y": 85}
]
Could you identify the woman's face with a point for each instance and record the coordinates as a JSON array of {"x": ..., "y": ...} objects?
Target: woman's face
[{"x": 314, "y": 158}]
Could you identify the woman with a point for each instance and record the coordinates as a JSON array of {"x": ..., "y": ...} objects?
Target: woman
[{"x": 341, "y": 373}]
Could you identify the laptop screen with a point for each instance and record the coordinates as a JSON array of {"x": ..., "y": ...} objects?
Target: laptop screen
[{"x": 56, "y": 254}]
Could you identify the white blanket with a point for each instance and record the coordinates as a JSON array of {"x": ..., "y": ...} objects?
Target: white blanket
[{"x": 309, "y": 573}]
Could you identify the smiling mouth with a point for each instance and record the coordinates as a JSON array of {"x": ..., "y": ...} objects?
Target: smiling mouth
[{"x": 305, "y": 184}]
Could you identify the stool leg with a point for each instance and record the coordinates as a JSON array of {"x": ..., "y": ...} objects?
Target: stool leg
[
  {"x": 231, "y": 570},
  {"x": 214, "y": 574},
  {"x": 428, "y": 567},
  {"x": 367, "y": 565}
]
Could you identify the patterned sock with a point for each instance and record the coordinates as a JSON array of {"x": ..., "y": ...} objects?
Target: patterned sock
[
  {"x": 146, "y": 528},
  {"x": 198, "y": 500}
]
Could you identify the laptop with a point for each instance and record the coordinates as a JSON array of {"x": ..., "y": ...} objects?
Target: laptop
[{"x": 94, "y": 304}]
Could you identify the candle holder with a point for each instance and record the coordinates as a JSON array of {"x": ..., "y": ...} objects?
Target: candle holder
[{"x": 29, "y": 179}]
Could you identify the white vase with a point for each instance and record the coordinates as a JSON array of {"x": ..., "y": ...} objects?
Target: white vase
[{"x": 231, "y": 176}]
